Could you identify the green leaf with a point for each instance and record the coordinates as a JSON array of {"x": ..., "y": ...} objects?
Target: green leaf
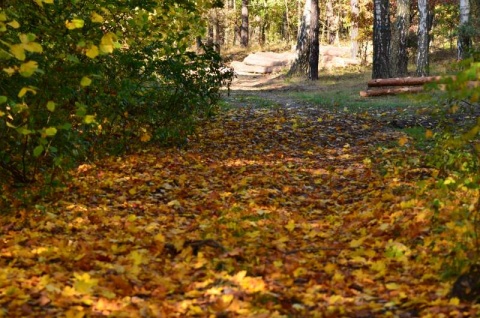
[
  {"x": 24, "y": 130},
  {"x": 38, "y": 150},
  {"x": 86, "y": 81},
  {"x": 51, "y": 131},
  {"x": 51, "y": 106},
  {"x": 3, "y": 99}
]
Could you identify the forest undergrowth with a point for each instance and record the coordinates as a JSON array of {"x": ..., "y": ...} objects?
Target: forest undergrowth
[{"x": 287, "y": 211}]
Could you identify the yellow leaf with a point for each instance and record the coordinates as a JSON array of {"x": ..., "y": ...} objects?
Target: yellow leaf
[
  {"x": 136, "y": 257},
  {"x": 107, "y": 42},
  {"x": 51, "y": 106},
  {"x": 27, "y": 38},
  {"x": 290, "y": 226},
  {"x": 92, "y": 52},
  {"x": 132, "y": 191},
  {"x": 454, "y": 301},
  {"x": 27, "y": 69},
  {"x": 402, "y": 140},
  {"x": 89, "y": 119},
  {"x": 86, "y": 81},
  {"x": 25, "y": 90},
  {"x": 338, "y": 277},
  {"x": 96, "y": 18},
  {"x": 159, "y": 238},
  {"x": 18, "y": 51},
  {"x": 3, "y": 16},
  {"x": 392, "y": 286},
  {"x": 357, "y": 243},
  {"x": 9, "y": 70},
  {"x": 74, "y": 24},
  {"x": 428, "y": 133},
  {"x": 51, "y": 131},
  {"x": 330, "y": 268},
  {"x": 145, "y": 137},
  {"x": 83, "y": 283},
  {"x": 33, "y": 47},
  {"x": 48, "y": 1},
  {"x": 14, "y": 24}
]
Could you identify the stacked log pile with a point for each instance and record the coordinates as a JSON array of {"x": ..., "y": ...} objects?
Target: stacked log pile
[
  {"x": 263, "y": 63},
  {"x": 271, "y": 62},
  {"x": 393, "y": 86}
]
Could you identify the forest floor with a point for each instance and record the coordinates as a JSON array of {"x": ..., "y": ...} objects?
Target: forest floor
[{"x": 297, "y": 200}]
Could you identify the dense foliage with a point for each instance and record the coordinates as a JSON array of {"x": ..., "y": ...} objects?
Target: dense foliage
[{"x": 82, "y": 78}]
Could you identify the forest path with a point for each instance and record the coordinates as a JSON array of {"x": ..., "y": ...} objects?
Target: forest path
[{"x": 283, "y": 210}]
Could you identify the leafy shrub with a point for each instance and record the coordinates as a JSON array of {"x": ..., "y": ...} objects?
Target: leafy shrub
[{"x": 78, "y": 77}]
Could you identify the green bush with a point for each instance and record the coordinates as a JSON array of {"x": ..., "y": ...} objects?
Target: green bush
[{"x": 78, "y": 76}]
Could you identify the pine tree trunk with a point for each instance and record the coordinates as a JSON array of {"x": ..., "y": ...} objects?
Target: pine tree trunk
[
  {"x": 381, "y": 39},
  {"x": 244, "y": 26},
  {"x": 423, "y": 40},
  {"x": 463, "y": 43},
  {"x": 355, "y": 13},
  {"x": 398, "y": 47},
  {"x": 314, "y": 41}
]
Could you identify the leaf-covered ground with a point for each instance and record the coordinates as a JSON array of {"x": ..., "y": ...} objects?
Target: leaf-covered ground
[{"x": 275, "y": 212}]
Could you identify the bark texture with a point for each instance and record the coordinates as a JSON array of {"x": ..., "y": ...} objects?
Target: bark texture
[
  {"x": 355, "y": 15},
  {"x": 423, "y": 39},
  {"x": 244, "y": 26},
  {"x": 464, "y": 40},
  {"x": 398, "y": 47},
  {"x": 301, "y": 63},
  {"x": 314, "y": 41},
  {"x": 381, "y": 39}
]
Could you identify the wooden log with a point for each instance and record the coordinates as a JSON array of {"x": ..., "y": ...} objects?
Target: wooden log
[
  {"x": 402, "y": 81},
  {"x": 391, "y": 91}
]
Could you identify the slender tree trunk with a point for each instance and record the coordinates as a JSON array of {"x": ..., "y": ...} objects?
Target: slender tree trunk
[
  {"x": 286, "y": 32},
  {"x": 398, "y": 47},
  {"x": 355, "y": 13},
  {"x": 314, "y": 41},
  {"x": 381, "y": 39},
  {"x": 423, "y": 39},
  {"x": 463, "y": 42},
  {"x": 244, "y": 26},
  {"x": 332, "y": 23}
]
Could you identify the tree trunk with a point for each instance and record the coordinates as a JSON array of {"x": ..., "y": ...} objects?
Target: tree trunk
[
  {"x": 244, "y": 26},
  {"x": 355, "y": 13},
  {"x": 398, "y": 48},
  {"x": 423, "y": 41},
  {"x": 381, "y": 39},
  {"x": 464, "y": 41},
  {"x": 332, "y": 23},
  {"x": 314, "y": 42},
  {"x": 302, "y": 65},
  {"x": 286, "y": 32}
]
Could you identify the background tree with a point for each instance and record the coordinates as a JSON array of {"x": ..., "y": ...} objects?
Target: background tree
[
  {"x": 307, "y": 38},
  {"x": 423, "y": 39},
  {"x": 464, "y": 39},
  {"x": 381, "y": 39},
  {"x": 244, "y": 29},
  {"x": 398, "y": 48},
  {"x": 314, "y": 41},
  {"x": 354, "y": 31}
]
